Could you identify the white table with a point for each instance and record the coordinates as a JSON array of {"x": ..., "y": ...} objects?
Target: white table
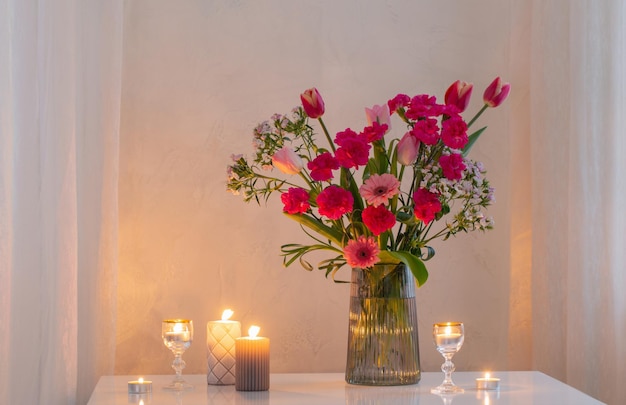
[{"x": 516, "y": 387}]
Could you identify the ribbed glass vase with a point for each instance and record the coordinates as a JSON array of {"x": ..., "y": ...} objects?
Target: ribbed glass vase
[{"x": 383, "y": 347}]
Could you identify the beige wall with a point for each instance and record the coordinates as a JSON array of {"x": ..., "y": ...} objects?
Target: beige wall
[{"x": 198, "y": 75}]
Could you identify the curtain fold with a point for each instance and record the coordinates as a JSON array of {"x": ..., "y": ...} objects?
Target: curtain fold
[
  {"x": 578, "y": 170},
  {"x": 59, "y": 109}
]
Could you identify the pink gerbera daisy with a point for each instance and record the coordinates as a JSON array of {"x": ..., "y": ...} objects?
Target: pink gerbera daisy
[
  {"x": 378, "y": 189},
  {"x": 362, "y": 252}
]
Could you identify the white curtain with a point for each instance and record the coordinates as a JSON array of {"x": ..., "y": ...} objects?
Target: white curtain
[
  {"x": 578, "y": 165},
  {"x": 60, "y": 79}
]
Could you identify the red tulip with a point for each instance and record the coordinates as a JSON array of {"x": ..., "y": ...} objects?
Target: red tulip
[
  {"x": 496, "y": 92},
  {"x": 312, "y": 103},
  {"x": 458, "y": 94}
]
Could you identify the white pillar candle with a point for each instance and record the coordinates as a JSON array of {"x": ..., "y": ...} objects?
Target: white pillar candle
[
  {"x": 253, "y": 362},
  {"x": 220, "y": 341}
]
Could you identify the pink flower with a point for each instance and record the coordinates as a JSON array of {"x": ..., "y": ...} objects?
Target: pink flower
[
  {"x": 334, "y": 201},
  {"x": 496, "y": 92},
  {"x": 379, "y": 114},
  {"x": 375, "y": 132},
  {"x": 458, "y": 94},
  {"x": 454, "y": 132},
  {"x": 399, "y": 101},
  {"x": 378, "y": 219},
  {"x": 354, "y": 149},
  {"x": 427, "y": 205},
  {"x": 295, "y": 200},
  {"x": 423, "y": 106},
  {"x": 427, "y": 131},
  {"x": 452, "y": 166},
  {"x": 362, "y": 252},
  {"x": 287, "y": 161},
  {"x": 378, "y": 189},
  {"x": 407, "y": 149},
  {"x": 322, "y": 167},
  {"x": 312, "y": 103}
]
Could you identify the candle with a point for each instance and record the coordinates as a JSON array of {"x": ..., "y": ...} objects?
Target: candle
[
  {"x": 220, "y": 341},
  {"x": 253, "y": 362},
  {"x": 178, "y": 336},
  {"x": 449, "y": 340},
  {"x": 487, "y": 383},
  {"x": 139, "y": 387}
]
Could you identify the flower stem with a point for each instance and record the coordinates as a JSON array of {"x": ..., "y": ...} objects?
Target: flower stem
[
  {"x": 330, "y": 141},
  {"x": 482, "y": 110}
]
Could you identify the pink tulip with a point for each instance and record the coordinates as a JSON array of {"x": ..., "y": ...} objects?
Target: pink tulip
[
  {"x": 407, "y": 149},
  {"x": 312, "y": 103},
  {"x": 287, "y": 161},
  {"x": 378, "y": 113},
  {"x": 496, "y": 92},
  {"x": 458, "y": 94}
]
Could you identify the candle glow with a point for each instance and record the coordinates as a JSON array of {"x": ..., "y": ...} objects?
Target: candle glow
[
  {"x": 253, "y": 331},
  {"x": 227, "y": 314}
]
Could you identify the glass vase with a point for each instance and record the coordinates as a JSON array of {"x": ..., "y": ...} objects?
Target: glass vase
[{"x": 383, "y": 347}]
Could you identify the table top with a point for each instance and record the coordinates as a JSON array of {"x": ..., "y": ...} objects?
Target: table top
[{"x": 516, "y": 387}]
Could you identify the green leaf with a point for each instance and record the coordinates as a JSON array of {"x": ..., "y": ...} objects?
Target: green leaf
[
  {"x": 312, "y": 223},
  {"x": 414, "y": 263},
  {"x": 472, "y": 139}
]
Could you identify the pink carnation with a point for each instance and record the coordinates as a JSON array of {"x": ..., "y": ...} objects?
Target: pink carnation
[
  {"x": 375, "y": 132},
  {"x": 427, "y": 205},
  {"x": 296, "y": 201},
  {"x": 423, "y": 106},
  {"x": 362, "y": 252},
  {"x": 454, "y": 132},
  {"x": 334, "y": 201},
  {"x": 354, "y": 149},
  {"x": 452, "y": 166},
  {"x": 401, "y": 100},
  {"x": 322, "y": 167},
  {"x": 426, "y": 131},
  {"x": 378, "y": 219},
  {"x": 378, "y": 189}
]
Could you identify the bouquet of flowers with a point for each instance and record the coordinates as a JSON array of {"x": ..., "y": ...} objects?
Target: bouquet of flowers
[{"x": 368, "y": 197}]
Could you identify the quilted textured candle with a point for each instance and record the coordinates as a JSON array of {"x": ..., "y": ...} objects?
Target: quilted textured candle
[
  {"x": 253, "y": 362},
  {"x": 221, "y": 336}
]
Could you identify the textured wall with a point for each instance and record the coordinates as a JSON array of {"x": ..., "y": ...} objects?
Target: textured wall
[{"x": 198, "y": 75}]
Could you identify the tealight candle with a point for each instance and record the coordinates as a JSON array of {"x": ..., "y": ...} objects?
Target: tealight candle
[
  {"x": 220, "y": 341},
  {"x": 139, "y": 387},
  {"x": 253, "y": 362},
  {"x": 487, "y": 383}
]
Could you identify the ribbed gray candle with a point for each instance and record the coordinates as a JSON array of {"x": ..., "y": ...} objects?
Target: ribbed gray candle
[{"x": 252, "y": 370}]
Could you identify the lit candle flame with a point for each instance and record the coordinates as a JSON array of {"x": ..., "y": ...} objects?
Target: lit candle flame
[
  {"x": 178, "y": 327},
  {"x": 141, "y": 402},
  {"x": 487, "y": 375},
  {"x": 140, "y": 380},
  {"x": 447, "y": 330},
  {"x": 227, "y": 314},
  {"x": 253, "y": 331}
]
